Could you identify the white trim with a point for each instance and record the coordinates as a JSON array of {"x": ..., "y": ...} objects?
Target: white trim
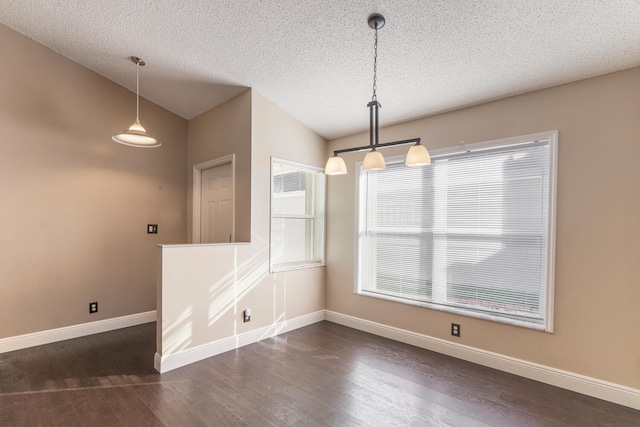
[
  {"x": 616, "y": 393},
  {"x": 479, "y": 146},
  {"x": 291, "y": 267},
  {"x": 513, "y": 321},
  {"x": 197, "y": 194},
  {"x": 296, "y": 164},
  {"x": 319, "y": 216},
  {"x": 189, "y": 245},
  {"x": 551, "y": 232},
  {"x": 204, "y": 351},
  {"x": 75, "y": 331}
]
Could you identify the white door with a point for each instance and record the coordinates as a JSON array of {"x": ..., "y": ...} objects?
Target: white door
[{"x": 216, "y": 202}]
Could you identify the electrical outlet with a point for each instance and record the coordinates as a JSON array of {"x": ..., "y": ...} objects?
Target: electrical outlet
[
  {"x": 152, "y": 228},
  {"x": 455, "y": 329},
  {"x": 93, "y": 307},
  {"x": 247, "y": 315}
]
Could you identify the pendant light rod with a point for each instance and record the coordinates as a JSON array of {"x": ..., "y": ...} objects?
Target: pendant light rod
[
  {"x": 139, "y": 63},
  {"x": 376, "y": 21},
  {"x": 383, "y": 145},
  {"x": 373, "y": 122}
]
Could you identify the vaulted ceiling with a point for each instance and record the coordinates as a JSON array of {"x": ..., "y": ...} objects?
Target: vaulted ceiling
[{"x": 315, "y": 58}]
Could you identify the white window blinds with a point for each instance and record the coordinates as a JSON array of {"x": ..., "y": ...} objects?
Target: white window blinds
[{"x": 469, "y": 233}]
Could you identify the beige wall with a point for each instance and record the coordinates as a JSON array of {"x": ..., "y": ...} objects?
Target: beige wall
[
  {"x": 598, "y": 227},
  {"x": 220, "y": 132},
  {"x": 205, "y": 288},
  {"x": 75, "y": 205},
  {"x": 274, "y": 133}
]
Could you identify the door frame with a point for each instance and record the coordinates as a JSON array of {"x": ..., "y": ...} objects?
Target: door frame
[{"x": 197, "y": 194}]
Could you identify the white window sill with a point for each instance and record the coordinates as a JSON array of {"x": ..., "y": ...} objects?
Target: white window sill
[
  {"x": 296, "y": 266},
  {"x": 455, "y": 310}
]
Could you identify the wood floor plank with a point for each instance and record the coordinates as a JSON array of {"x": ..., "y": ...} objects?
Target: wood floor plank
[
  {"x": 253, "y": 412},
  {"x": 15, "y": 410},
  {"x": 321, "y": 375},
  {"x": 283, "y": 410},
  {"x": 12, "y": 373},
  {"x": 92, "y": 408},
  {"x": 368, "y": 398},
  {"x": 279, "y": 379},
  {"x": 167, "y": 407},
  {"x": 393, "y": 359},
  {"x": 129, "y": 407},
  {"x": 52, "y": 408},
  {"x": 206, "y": 407},
  {"x": 320, "y": 408}
]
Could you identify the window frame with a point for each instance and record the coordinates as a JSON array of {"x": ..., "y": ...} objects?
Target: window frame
[
  {"x": 548, "y": 322},
  {"x": 319, "y": 217}
]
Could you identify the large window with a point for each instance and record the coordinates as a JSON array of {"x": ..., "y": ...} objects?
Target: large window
[
  {"x": 472, "y": 233},
  {"x": 297, "y": 215}
]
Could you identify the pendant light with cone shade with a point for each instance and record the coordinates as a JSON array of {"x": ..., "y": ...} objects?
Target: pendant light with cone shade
[
  {"x": 136, "y": 135},
  {"x": 374, "y": 161}
]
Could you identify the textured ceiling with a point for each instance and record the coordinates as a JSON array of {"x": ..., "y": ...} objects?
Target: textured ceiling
[{"x": 314, "y": 58}]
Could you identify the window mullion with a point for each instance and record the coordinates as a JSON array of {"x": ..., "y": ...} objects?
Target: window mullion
[{"x": 440, "y": 179}]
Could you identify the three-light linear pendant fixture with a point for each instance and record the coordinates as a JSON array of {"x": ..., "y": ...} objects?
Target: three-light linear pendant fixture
[
  {"x": 136, "y": 135},
  {"x": 373, "y": 161}
]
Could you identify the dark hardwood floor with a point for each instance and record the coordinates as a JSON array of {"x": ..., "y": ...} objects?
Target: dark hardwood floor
[{"x": 324, "y": 374}]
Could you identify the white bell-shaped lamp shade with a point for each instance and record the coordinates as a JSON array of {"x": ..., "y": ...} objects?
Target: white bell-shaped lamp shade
[
  {"x": 418, "y": 156},
  {"x": 136, "y": 136},
  {"x": 335, "y": 166},
  {"x": 373, "y": 161}
]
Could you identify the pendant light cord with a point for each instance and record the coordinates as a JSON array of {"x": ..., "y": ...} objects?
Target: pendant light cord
[{"x": 138, "y": 91}]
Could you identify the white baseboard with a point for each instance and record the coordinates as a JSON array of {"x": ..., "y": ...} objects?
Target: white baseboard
[
  {"x": 192, "y": 355},
  {"x": 75, "y": 331},
  {"x": 604, "y": 390}
]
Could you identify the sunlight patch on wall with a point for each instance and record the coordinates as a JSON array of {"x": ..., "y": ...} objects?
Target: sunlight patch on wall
[
  {"x": 276, "y": 328},
  {"x": 224, "y": 294},
  {"x": 177, "y": 335}
]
